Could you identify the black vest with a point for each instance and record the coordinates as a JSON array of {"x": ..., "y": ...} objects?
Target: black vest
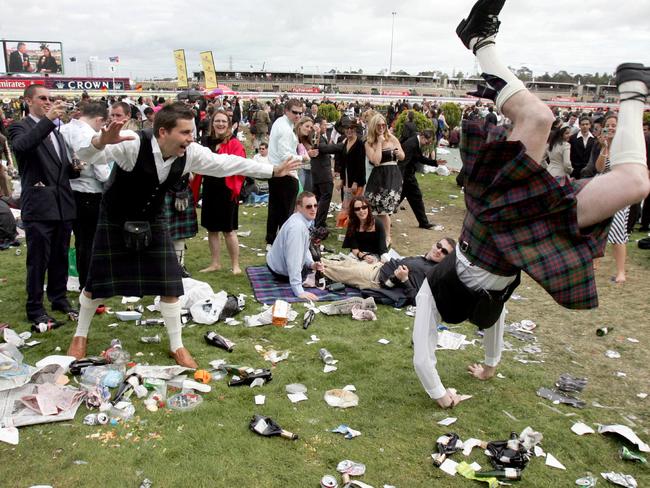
[
  {"x": 456, "y": 302},
  {"x": 138, "y": 195}
]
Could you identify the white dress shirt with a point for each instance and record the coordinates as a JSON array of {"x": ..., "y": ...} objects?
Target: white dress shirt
[
  {"x": 198, "y": 159},
  {"x": 96, "y": 172},
  {"x": 283, "y": 141}
]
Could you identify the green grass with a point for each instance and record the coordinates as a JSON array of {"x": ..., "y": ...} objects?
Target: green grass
[{"x": 213, "y": 447}]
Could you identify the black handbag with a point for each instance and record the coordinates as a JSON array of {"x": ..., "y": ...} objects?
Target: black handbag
[{"x": 137, "y": 235}]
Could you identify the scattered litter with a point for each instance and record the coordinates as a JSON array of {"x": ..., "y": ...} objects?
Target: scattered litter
[
  {"x": 344, "y": 307},
  {"x": 557, "y": 397},
  {"x": 633, "y": 340},
  {"x": 341, "y": 398},
  {"x": 448, "y": 466},
  {"x": 297, "y": 397},
  {"x": 621, "y": 374},
  {"x": 553, "y": 462},
  {"x": 510, "y": 416},
  {"x": 450, "y": 340},
  {"x": 350, "y": 468},
  {"x": 272, "y": 355},
  {"x": 184, "y": 401},
  {"x": 267, "y": 427},
  {"x": 642, "y": 396},
  {"x": 260, "y": 399},
  {"x": 500, "y": 376},
  {"x": 350, "y": 388},
  {"x": 621, "y": 479},
  {"x": 126, "y": 300},
  {"x": 359, "y": 313},
  {"x": 295, "y": 388},
  {"x": 383, "y": 341},
  {"x": 329, "y": 368},
  {"x": 313, "y": 339},
  {"x": 587, "y": 481},
  {"x": 471, "y": 443},
  {"x": 348, "y": 432},
  {"x": 410, "y": 311},
  {"x": 580, "y": 428},
  {"x": 326, "y": 356},
  {"x": 568, "y": 383},
  {"x": 448, "y": 421},
  {"x": 220, "y": 341},
  {"x": 79, "y": 462},
  {"x": 612, "y": 354},
  {"x": 244, "y": 233},
  {"x": 629, "y": 455},
  {"x": 603, "y": 331},
  {"x": 128, "y": 315},
  {"x": 625, "y": 432},
  {"x": 539, "y": 452}
]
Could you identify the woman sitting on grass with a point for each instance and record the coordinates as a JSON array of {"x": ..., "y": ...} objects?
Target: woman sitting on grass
[{"x": 366, "y": 236}]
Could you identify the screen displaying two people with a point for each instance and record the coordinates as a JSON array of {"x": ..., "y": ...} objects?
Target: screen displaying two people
[{"x": 35, "y": 57}]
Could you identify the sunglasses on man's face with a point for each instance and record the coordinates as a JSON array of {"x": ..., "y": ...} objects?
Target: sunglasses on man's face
[
  {"x": 309, "y": 206},
  {"x": 362, "y": 207},
  {"x": 43, "y": 98},
  {"x": 442, "y": 249},
  {"x": 296, "y": 112}
]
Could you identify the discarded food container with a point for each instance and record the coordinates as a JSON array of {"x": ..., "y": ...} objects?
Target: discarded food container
[
  {"x": 349, "y": 468},
  {"x": 326, "y": 356},
  {"x": 267, "y": 427},
  {"x": 203, "y": 376},
  {"x": 217, "y": 340},
  {"x": 328, "y": 481},
  {"x": 184, "y": 401},
  {"x": 601, "y": 331},
  {"x": 280, "y": 313},
  {"x": 128, "y": 315}
]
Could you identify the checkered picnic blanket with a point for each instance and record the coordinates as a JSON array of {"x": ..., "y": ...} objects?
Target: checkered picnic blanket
[{"x": 267, "y": 289}]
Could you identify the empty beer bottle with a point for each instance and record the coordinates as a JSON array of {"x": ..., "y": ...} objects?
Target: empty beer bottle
[
  {"x": 501, "y": 474},
  {"x": 217, "y": 340}
]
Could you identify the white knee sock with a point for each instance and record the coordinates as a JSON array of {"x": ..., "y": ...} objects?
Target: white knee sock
[
  {"x": 505, "y": 83},
  {"x": 87, "y": 308},
  {"x": 628, "y": 145},
  {"x": 171, "y": 313},
  {"x": 179, "y": 247}
]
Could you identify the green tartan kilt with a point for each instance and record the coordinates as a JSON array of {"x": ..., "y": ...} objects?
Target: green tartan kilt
[
  {"x": 116, "y": 270},
  {"x": 182, "y": 225}
]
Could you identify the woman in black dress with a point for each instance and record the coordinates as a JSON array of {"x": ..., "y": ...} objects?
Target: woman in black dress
[
  {"x": 384, "y": 188},
  {"x": 365, "y": 237},
  {"x": 220, "y": 208},
  {"x": 46, "y": 62}
]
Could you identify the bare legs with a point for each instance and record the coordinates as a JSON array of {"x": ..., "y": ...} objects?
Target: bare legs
[
  {"x": 232, "y": 244},
  {"x": 620, "y": 253}
]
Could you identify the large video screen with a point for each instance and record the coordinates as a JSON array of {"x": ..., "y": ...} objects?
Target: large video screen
[{"x": 35, "y": 57}]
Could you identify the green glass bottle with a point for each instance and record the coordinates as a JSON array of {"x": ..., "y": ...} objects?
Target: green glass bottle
[{"x": 502, "y": 474}]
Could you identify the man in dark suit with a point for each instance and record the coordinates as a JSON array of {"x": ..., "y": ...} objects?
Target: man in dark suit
[
  {"x": 48, "y": 205},
  {"x": 581, "y": 145},
  {"x": 19, "y": 60},
  {"x": 410, "y": 189},
  {"x": 321, "y": 174}
]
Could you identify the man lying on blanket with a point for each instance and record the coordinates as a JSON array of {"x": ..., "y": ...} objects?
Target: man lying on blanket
[
  {"x": 289, "y": 258},
  {"x": 400, "y": 279}
]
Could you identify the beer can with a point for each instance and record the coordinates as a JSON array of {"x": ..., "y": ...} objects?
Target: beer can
[{"x": 329, "y": 481}]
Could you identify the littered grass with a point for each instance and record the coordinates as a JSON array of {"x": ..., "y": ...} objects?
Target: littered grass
[{"x": 212, "y": 446}]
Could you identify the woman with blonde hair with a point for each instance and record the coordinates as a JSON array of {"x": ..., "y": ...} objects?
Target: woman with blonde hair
[
  {"x": 384, "y": 186},
  {"x": 220, "y": 207}
]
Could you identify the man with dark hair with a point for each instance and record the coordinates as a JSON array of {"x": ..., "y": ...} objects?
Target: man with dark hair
[
  {"x": 88, "y": 188},
  {"x": 19, "y": 60},
  {"x": 283, "y": 144},
  {"x": 321, "y": 173},
  {"x": 149, "y": 114},
  {"x": 410, "y": 188},
  {"x": 289, "y": 258},
  {"x": 581, "y": 145},
  {"x": 491, "y": 119},
  {"x": 520, "y": 218},
  {"x": 133, "y": 254},
  {"x": 48, "y": 205}
]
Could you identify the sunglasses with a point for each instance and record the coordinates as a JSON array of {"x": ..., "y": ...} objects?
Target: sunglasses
[
  {"x": 43, "y": 98},
  {"x": 442, "y": 249},
  {"x": 362, "y": 207},
  {"x": 295, "y": 112},
  {"x": 309, "y": 206}
]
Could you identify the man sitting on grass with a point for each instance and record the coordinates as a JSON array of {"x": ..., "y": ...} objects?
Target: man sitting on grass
[
  {"x": 289, "y": 258},
  {"x": 518, "y": 216}
]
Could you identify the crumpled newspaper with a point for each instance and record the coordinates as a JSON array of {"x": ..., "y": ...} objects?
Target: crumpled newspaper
[
  {"x": 344, "y": 307},
  {"x": 620, "y": 479},
  {"x": 272, "y": 355},
  {"x": 359, "y": 313}
]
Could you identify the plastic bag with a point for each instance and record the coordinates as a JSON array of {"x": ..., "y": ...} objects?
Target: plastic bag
[{"x": 207, "y": 311}]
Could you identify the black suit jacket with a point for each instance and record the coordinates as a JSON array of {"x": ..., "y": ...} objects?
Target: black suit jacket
[
  {"x": 412, "y": 155},
  {"x": 321, "y": 165},
  {"x": 16, "y": 62},
  {"x": 580, "y": 154},
  {"x": 44, "y": 177}
]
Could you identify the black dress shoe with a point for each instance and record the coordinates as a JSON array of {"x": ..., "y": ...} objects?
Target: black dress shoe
[
  {"x": 426, "y": 226},
  {"x": 46, "y": 319},
  {"x": 633, "y": 72},
  {"x": 68, "y": 310},
  {"x": 185, "y": 273},
  {"x": 482, "y": 22},
  {"x": 484, "y": 91}
]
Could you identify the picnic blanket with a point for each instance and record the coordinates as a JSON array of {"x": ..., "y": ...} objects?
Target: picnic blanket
[{"x": 267, "y": 289}]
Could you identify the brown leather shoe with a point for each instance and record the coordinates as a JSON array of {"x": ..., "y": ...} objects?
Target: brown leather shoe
[
  {"x": 78, "y": 347},
  {"x": 183, "y": 358}
]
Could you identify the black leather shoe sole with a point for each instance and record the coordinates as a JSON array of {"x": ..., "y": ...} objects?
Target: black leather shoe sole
[
  {"x": 632, "y": 72},
  {"x": 426, "y": 226},
  {"x": 479, "y": 19}
]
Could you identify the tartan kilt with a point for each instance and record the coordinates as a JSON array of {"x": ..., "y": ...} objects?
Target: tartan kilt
[
  {"x": 116, "y": 270},
  {"x": 182, "y": 225},
  {"x": 519, "y": 217}
]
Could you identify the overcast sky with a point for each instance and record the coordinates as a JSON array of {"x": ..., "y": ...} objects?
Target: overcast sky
[{"x": 544, "y": 35}]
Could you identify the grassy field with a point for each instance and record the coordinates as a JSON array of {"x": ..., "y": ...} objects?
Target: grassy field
[{"x": 213, "y": 447}]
